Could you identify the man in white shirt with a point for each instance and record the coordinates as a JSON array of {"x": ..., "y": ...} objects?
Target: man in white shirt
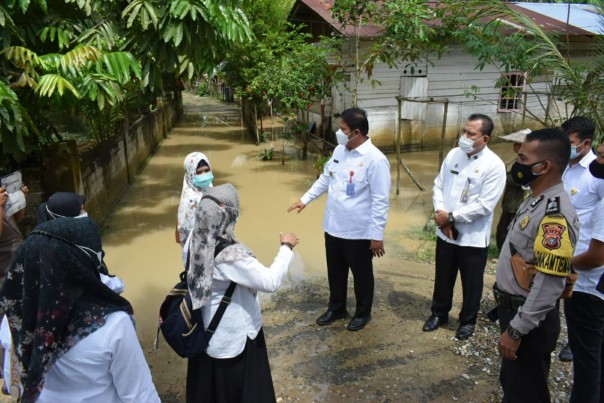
[
  {"x": 585, "y": 191},
  {"x": 466, "y": 191},
  {"x": 584, "y": 310},
  {"x": 357, "y": 181}
]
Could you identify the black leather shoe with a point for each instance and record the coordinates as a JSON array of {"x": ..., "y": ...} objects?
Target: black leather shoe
[
  {"x": 433, "y": 323},
  {"x": 464, "y": 331},
  {"x": 565, "y": 354},
  {"x": 330, "y": 316},
  {"x": 357, "y": 323}
]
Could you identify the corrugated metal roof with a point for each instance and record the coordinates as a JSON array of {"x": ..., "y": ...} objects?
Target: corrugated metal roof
[
  {"x": 552, "y": 17},
  {"x": 583, "y": 16}
]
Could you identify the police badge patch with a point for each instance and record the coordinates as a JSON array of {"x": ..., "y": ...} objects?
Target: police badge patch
[{"x": 552, "y": 235}]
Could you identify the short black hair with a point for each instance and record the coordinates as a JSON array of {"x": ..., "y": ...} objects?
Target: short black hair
[
  {"x": 582, "y": 126},
  {"x": 554, "y": 146},
  {"x": 356, "y": 118},
  {"x": 486, "y": 128}
]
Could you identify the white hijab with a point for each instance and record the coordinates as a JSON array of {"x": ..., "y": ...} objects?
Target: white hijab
[{"x": 190, "y": 195}]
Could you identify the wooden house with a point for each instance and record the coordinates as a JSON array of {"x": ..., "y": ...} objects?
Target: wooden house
[{"x": 450, "y": 78}]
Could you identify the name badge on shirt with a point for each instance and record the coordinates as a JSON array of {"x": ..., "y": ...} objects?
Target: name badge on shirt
[
  {"x": 465, "y": 194},
  {"x": 350, "y": 188}
]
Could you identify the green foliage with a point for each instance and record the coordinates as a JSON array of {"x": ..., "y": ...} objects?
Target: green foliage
[
  {"x": 409, "y": 35},
  {"x": 280, "y": 67},
  {"x": 203, "y": 89},
  {"x": 70, "y": 57},
  {"x": 183, "y": 37},
  {"x": 319, "y": 164},
  {"x": 266, "y": 154},
  {"x": 545, "y": 58}
]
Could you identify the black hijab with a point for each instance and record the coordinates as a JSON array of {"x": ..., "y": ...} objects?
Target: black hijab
[
  {"x": 59, "y": 205},
  {"x": 53, "y": 296}
]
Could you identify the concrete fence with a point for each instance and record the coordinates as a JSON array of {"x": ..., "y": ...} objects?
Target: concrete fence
[{"x": 103, "y": 173}]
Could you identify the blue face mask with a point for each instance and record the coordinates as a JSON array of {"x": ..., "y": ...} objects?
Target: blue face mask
[
  {"x": 203, "y": 181},
  {"x": 573, "y": 151}
]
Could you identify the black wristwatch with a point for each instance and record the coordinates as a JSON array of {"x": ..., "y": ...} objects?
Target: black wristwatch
[
  {"x": 288, "y": 245},
  {"x": 451, "y": 218},
  {"x": 514, "y": 334}
]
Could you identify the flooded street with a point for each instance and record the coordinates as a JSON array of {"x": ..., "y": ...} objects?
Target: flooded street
[{"x": 391, "y": 360}]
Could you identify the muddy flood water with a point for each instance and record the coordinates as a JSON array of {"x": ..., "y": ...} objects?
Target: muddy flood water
[{"x": 391, "y": 360}]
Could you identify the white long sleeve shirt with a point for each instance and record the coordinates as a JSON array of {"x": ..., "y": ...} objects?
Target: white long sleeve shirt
[
  {"x": 470, "y": 188},
  {"x": 108, "y": 366},
  {"x": 586, "y": 194},
  {"x": 242, "y": 318},
  {"x": 588, "y": 279},
  {"x": 357, "y": 183}
]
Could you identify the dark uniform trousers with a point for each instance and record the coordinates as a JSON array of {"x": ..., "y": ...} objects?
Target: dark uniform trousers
[
  {"x": 341, "y": 255},
  {"x": 585, "y": 321},
  {"x": 470, "y": 262},
  {"x": 525, "y": 379}
]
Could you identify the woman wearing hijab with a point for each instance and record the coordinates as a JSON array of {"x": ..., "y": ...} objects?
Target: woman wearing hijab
[
  {"x": 74, "y": 339},
  {"x": 69, "y": 204},
  {"x": 62, "y": 204},
  {"x": 198, "y": 177},
  {"x": 234, "y": 367}
]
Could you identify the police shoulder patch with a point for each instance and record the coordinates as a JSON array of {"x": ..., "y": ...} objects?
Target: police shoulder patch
[{"x": 553, "y": 247}]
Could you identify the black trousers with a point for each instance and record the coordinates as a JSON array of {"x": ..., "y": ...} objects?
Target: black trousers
[
  {"x": 525, "y": 379},
  {"x": 585, "y": 322},
  {"x": 353, "y": 254},
  {"x": 470, "y": 262},
  {"x": 245, "y": 378}
]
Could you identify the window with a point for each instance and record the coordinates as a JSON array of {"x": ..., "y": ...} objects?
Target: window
[{"x": 511, "y": 95}]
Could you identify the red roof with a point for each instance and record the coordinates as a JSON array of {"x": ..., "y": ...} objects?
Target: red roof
[{"x": 323, "y": 9}]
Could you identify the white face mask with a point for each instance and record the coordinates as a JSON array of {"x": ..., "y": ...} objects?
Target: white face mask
[
  {"x": 466, "y": 145},
  {"x": 92, "y": 254},
  {"x": 341, "y": 137}
]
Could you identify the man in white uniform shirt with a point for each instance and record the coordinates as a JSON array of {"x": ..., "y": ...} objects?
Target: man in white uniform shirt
[
  {"x": 585, "y": 309},
  {"x": 466, "y": 191},
  {"x": 357, "y": 181},
  {"x": 585, "y": 191}
]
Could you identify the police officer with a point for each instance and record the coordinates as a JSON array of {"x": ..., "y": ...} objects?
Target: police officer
[{"x": 532, "y": 267}]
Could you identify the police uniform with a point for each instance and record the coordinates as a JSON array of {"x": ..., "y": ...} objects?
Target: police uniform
[{"x": 543, "y": 233}]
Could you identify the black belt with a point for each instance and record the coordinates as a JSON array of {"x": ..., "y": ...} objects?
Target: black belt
[{"x": 506, "y": 300}]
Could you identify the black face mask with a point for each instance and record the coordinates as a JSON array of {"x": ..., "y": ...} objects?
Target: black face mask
[
  {"x": 596, "y": 169},
  {"x": 523, "y": 174}
]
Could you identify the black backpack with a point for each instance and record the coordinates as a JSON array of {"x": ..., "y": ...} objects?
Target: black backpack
[{"x": 181, "y": 326}]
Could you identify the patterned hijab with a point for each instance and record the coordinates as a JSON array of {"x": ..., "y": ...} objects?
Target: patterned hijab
[
  {"x": 190, "y": 195},
  {"x": 53, "y": 296},
  {"x": 215, "y": 222}
]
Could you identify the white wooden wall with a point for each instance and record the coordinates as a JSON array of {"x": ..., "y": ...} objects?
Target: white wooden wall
[{"x": 450, "y": 77}]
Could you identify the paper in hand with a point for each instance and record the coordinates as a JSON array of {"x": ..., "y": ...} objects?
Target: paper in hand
[{"x": 16, "y": 198}]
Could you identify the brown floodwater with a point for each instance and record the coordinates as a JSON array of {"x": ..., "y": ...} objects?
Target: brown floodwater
[{"x": 138, "y": 237}]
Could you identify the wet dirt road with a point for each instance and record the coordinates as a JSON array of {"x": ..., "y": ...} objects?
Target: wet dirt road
[{"x": 391, "y": 360}]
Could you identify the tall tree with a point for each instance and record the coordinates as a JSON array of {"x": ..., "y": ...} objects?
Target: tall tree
[
  {"x": 521, "y": 44},
  {"x": 64, "y": 58}
]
